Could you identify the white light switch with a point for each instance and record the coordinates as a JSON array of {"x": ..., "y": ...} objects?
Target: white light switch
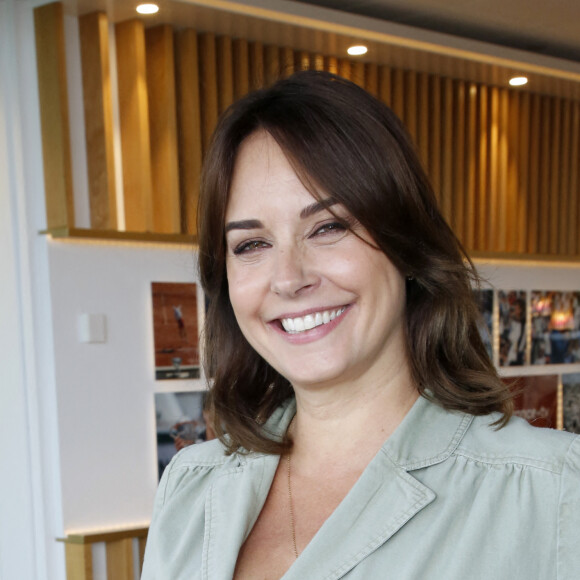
[{"x": 92, "y": 328}]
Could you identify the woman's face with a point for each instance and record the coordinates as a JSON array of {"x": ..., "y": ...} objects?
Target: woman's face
[{"x": 319, "y": 304}]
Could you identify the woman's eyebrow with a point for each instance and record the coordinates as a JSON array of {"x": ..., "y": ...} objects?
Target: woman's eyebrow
[
  {"x": 244, "y": 225},
  {"x": 313, "y": 208}
]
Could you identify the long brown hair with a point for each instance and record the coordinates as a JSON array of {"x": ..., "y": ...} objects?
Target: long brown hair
[{"x": 342, "y": 141}]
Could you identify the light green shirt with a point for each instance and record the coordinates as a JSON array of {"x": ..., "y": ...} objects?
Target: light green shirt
[{"x": 447, "y": 497}]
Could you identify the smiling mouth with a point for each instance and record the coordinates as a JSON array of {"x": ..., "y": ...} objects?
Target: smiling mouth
[{"x": 310, "y": 321}]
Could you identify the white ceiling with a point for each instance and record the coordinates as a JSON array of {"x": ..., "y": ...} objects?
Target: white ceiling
[{"x": 549, "y": 27}]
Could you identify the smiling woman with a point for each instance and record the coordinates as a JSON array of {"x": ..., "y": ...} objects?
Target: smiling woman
[{"x": 342, "y": 336}]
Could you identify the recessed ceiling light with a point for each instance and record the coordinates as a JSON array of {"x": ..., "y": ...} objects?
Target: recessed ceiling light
[
  {"x": 518, "y": 81},
  {"x": 357, "y": 50},
  {"x": 147, "y": 9}
]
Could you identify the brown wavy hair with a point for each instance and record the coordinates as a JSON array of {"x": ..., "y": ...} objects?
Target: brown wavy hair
[{"x": 343, "y": 143}]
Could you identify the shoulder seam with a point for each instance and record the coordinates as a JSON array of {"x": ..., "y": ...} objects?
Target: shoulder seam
[{"x": 513, "y": 460}]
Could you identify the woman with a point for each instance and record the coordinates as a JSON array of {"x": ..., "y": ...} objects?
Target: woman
[{"x": 363, "y": 430}]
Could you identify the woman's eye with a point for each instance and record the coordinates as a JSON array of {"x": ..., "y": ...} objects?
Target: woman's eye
[
  {"x": 246, "y": 247},
  {"x": 332, "y": 227}
]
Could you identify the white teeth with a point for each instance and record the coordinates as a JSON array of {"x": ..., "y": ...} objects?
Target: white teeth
[{"x": 300, "y": 324}]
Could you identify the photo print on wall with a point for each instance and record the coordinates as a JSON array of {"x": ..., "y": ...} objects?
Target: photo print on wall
[
  {"x": 181, "y": 420},
  {"x": 536, "y": 399},
  {"x": 512, "y": 327},
  {"x": 175, "y": 330},
  {"x": 571, "y": 402},
  {"x": 555, "y": 327}
]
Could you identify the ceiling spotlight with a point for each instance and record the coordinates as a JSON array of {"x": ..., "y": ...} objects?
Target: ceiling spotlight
[
  {"x": 518, "y": 81},
  {"x": 357, "y": 50},
  {"x": 147, "y": 9}
]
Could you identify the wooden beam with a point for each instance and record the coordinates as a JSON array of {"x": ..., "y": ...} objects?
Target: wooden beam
[
  {"x": 120, "y": 560},
  {"x": 134, "y": 120},
  {"x": 79, "y": 561},
  {"x": 54, "y": 116}
]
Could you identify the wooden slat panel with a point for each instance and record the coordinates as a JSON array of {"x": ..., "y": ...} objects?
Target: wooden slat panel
[
  {"x": 189, "y": 119},
  {"x": 534, "y": 176},
  {"x": 120, "y": 560},
  {"x": 513, "y": 158},
  {"x": 523, "y": 197},
  {"x": 574, "y": 213},
  {"x": 565, "y": 146},
  {"x": 79, "y": 561},
  {"x": 398, "y": 93},
  {"x": 385, "y": 85},
  {"x": 556, "y": 136},
  {"x": 331, "y": 64},
  {"x": 459, "y": 161},
  {"x": 225, "y": 72},
  {"x": 502, "y": 193},
  {"x": 544, "y": 192},
  {"x": 435, "y": 125},
  {"x": 53, "y": 100},
  {"x": 134, "y": 120},
  {"x": 316, "y": 62},
  {"x": 471, "y": 166},
  {"x": 357, "y": 73},
  {"x": 372, "y": 79},
  {"x": 447, "y": 151},
  {"x": 208, "y": 87},
  {"x": 241, "y": 67},
  {"x": 163, "y": 129},
  {"x": 98, "y": 105},
  {"x": 256, "y": 56},
  {"x": 272, "y": 64},
  {"x": 423, "y": 118},
  {"x": 410, "y": 104},
  {"x": 481, "y": 229},
  {"x": 493, "y": 180},
  {"x": 286, "y": 61},
  {"x": 344, "y": 69},
  {"x": 301, "y": 60}
]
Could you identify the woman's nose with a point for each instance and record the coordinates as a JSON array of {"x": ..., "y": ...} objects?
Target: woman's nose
[{"x": 292, "y": 273}]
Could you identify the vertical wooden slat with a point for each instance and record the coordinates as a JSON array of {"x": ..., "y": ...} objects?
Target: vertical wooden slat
[
  {"x": 410, "y": 103},
  {"x": 316, "y": 62},
  {"x": 513, "y": 158},
  {"x": 459, "y": 160},
  {"x": 385, "y": 86},
  {"x": 556, "y": 136},
  {"x": 331, "y": 64},
  {"x": 189, "y": 115},
  {"x": 134, "y": 120},
  {"x": 372, "y": 79},
  {"x": 493, "y": 180},
  {"x": 534, "y": 176},
  {"x": 447, "y": 152},
  {"x": 471, "y": 165},
  {"x": 163, "y": 129},
  {"x": 241, "y": 68},
  {"x": 120, "y": 560},
  {"x": 544, "y": 192},
  {"x": 79, "y": 561},
  {"x": 398, "y": 93},
  {"x": 286, "y": 61},
  {"x": 272, "y": 64},
  {"x": 98, "y": 106},
  {"x": 435, "y": 125},
  {"x": 225, "y": 73},
  {"x": 53, "y": 100},
  {"x": 565, "y": 146},
  {"x": 523, "y": 174},
  {"x": 301, "y": 60},
  {"x": 344, "y": 69},
  {"x": 481, "y": 241},
  {"x": 574, "y": 213},
  {"x": 357, "y": 73},
  {"x": 256, "y": 56},
  {"x": 423, "y": 118},
  {"x": 502, "y": 193},
  {"x": 208, "y": 87}
]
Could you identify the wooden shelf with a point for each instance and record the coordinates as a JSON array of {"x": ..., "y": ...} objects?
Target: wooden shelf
[{"x": 117, "y": 236}]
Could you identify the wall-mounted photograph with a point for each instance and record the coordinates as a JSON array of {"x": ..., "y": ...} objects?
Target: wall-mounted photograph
[
  {"x": 175, "y": 330},
  {"x": 571, "y": 402},
  {"x": 181, "y": 420},
  {"x": 484, "y": 299},
  {"x": 555, "y": 327},
  {"x": 512, "y": 327},
  {"x": 536, "y": 399}
]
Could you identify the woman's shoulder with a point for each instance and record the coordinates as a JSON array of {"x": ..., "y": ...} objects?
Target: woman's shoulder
[{"x": 518, "y": 442}]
